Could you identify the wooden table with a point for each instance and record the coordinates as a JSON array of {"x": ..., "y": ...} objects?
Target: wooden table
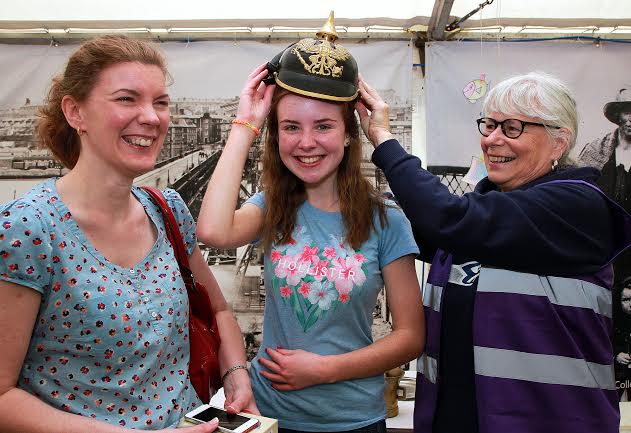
[{"x": 404, "y": 422}]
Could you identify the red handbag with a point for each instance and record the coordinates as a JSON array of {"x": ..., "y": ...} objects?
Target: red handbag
[{"x": 203, "y": 333}]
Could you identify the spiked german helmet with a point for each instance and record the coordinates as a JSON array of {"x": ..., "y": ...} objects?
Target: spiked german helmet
[{"x": 318, "y": 68}]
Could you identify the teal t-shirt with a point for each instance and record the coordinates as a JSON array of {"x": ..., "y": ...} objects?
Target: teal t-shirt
[
  {"x": 109, "y": 343},
  {"x": 321, "y": 294}
]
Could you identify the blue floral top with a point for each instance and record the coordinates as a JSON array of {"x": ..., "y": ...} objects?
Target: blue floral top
[{"x": 109, "y": 342}]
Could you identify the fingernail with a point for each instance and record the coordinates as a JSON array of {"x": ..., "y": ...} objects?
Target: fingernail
[
  {"x": 215, "y": 420},
  {"x": 232, "y": 409}
]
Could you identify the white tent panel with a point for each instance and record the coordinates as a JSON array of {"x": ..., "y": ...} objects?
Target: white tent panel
[
  {"x": 244, "y": 11},
  {"x": 599, "y": 9},
  {"x": 255, "y": 11},
  {"x": 256, "y": 17},
  {"x": 546, "y": 12}
]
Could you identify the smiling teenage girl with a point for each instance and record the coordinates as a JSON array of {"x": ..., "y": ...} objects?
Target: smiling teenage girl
[{"x": 331, "y": 243}]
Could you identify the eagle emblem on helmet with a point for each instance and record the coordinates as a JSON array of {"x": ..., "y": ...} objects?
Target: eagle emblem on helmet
[{"x": 323, "y": 57}]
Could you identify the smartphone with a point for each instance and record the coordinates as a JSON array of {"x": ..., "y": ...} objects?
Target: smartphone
[{"x": 228, "y": 423}]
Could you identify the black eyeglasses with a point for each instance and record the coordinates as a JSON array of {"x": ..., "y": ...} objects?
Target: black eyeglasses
[{"x": 512, "y": 128}]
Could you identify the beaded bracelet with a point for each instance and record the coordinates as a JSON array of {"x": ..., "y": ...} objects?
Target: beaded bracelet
[
  {"x": 231, "y": 369},
  {"x": 256, "y": 130}
]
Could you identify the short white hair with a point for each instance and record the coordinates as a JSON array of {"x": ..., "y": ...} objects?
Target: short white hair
[{"x": 541, "y": 96}]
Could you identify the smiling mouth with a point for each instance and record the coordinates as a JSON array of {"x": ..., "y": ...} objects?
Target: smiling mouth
[
  {"x": 309, "y": 159},
  {"x": 138, "y": 141},
  {"x": 500, "y": 159}
]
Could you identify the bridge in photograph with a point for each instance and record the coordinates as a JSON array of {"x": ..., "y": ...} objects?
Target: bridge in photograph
[{"x": 188, "y": 175}]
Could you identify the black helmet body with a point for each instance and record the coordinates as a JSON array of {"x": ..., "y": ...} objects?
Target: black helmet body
[{"x": 316, "y": 67}]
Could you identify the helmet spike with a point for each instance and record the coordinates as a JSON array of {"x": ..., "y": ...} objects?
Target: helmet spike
[{"x": 327, "y": 32}]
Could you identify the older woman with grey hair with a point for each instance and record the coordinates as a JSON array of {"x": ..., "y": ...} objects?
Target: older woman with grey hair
[{"x": 518, "y": 298}]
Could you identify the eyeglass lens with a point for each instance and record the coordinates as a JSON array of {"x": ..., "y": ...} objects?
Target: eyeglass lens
[{"x": 512, "y": 128}]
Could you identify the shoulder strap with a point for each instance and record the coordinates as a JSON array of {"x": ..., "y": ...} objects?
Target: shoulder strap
[{"x": 173, "y": 231}]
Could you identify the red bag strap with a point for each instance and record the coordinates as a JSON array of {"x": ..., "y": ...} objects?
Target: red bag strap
[{"x": 173, "y": 234}]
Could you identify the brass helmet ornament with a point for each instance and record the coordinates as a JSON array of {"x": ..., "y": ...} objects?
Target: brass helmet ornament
[{"x": 318, "y": 68}]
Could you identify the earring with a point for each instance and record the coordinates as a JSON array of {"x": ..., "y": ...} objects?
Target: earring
[
  {"x": 79, "y": 131},
  {"x": 347, "y": 142},
  {"x": 555, "y": 164}
]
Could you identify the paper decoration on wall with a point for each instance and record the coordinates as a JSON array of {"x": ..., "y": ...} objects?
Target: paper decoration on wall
[
  {"x": 476, "y": 172},
  {"x": 475, "y": 89}
]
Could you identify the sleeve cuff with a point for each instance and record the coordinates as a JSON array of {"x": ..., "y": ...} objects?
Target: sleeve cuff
[{"x": 387, "y": 154}]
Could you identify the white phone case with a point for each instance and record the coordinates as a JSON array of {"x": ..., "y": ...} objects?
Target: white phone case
[{"x": 243, "y": 428}]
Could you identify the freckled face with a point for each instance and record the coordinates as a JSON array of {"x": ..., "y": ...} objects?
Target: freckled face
[
  {"x": 311, "y": 136},
  {"x": 125, "y": 118}
]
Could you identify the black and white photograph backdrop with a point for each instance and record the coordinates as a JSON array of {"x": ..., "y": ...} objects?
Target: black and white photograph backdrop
[{"x": 206, "y": 80}]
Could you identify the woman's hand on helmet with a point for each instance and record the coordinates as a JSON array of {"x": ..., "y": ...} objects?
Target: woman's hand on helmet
[
  {"x": 256, "y": 98},
  {"x": 374, "y": 114}
]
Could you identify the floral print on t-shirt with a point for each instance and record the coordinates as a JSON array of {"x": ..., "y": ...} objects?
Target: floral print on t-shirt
[{"x": 315, "y": 279}]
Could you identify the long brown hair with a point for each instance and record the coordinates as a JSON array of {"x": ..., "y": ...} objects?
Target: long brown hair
[
  {"x": 284, "y": 192},
  {"x": 79, "y": 78}
]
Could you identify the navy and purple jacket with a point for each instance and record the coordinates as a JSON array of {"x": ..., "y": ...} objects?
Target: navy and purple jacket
[{"x": 517, "y": 301}]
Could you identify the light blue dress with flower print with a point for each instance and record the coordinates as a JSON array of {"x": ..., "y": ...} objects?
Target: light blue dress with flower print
[
  {"x": 109, "y": 342},
  {"x": 320, "y": 297}
]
